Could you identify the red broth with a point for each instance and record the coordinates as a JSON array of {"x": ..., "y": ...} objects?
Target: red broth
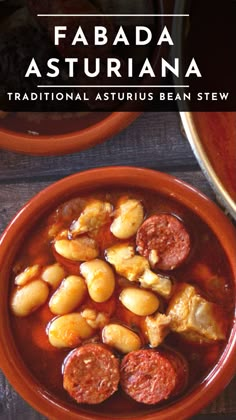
[
  {"x": 217, "y": 131},
  {"x": 206, "y": 267}
]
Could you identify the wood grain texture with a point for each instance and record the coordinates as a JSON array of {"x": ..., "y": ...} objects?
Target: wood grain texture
[{"x": 154, "y": 141}]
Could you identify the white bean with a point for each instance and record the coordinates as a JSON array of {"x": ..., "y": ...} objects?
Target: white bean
[
  {"x": 129, "y": 218},
  {"x": 121, "y": 338},
  {"x": 28, "y": 298},
  {"x": 67, "y": 331},
  {"x": 69, "y": 295},
  {"x": 140, "y": 302},
  {"x": 80, "y": 249},
  {"x": 100, "y": 279},
  {"x": 53, "y": 275},
  {"x": 27, "y": 275}
]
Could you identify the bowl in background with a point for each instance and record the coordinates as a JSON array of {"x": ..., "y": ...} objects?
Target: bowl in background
[
  {"x": 212, "y": 136},
  {"x": 47, "y": 200}
]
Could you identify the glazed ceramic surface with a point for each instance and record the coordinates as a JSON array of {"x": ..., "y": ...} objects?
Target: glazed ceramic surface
[
  {"x": 47, "y": 200},
  {"x": 213, "y": 139}
]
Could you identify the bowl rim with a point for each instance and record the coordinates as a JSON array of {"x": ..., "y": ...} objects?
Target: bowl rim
[
  {"x": 66, "y": 143},
  {"x": 194, "y": 137},
  {"x": 127, "y": 176}
]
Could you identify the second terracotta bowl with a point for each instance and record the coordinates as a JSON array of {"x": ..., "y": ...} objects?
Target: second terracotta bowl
[{"x": 96, "y": 129}]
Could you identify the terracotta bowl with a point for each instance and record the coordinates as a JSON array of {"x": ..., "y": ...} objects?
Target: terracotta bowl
[
  {"x": 96, "y": 128},
  {"x": 13, "y": 238}
]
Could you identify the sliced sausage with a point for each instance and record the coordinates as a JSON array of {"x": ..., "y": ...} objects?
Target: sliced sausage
[
  {"x": 150, "y": 376},
  {"x": 163, "y": 239},
  {"x": 180, "y": 365},
  {"x": 91, "y": 374}
]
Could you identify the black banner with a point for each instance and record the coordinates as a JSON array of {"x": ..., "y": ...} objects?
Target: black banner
[{"x": 107, "y": 56}]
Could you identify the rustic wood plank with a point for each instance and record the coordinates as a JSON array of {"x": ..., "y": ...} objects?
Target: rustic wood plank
[
  {"x": 154, "y": 140},
  {"x": 12, "y": 406}
]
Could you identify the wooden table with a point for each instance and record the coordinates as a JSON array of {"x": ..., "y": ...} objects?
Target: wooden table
[{"x": 153, "y": 141}]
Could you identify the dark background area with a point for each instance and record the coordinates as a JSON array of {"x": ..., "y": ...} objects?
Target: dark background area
[{"x": 207, "y": 35}]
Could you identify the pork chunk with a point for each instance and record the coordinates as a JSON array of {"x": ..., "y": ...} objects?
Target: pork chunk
[
  {"x": 157, "y": 327},
  {"x": 156, "y": 282},
  {"x": 194, "y": 317},
  {"x": 95, "y": 215}
]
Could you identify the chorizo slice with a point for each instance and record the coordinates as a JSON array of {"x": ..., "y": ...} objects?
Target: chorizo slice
[
  {"x": 180, "y": 365},
  {"x": 150, "y": 376},
  {"x": 163, "y": 239},
  {"x": 91, "y": 374}
]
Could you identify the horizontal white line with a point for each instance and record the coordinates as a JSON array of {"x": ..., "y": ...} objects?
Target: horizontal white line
[
  {"x": 109, "y": 15},
  {"x": 113, "y": 87}
]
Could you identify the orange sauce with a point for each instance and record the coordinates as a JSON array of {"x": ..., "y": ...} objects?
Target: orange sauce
[{"x": 206, "y": 262}]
